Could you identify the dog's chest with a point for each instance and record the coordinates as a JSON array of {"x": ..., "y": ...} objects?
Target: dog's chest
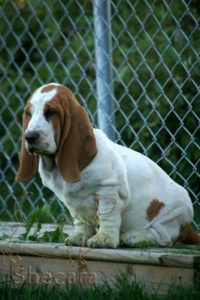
[{"x": 78, "y": 197}]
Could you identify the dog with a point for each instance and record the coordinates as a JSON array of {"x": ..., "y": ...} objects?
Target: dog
[{"x": 115, "y": 195}]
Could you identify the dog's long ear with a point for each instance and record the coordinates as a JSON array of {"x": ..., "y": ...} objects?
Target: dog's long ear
[
  {"x": 77, "y": 146},
  {"x": 28, "y": 163}
]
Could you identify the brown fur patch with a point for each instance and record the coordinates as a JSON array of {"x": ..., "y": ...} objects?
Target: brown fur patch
[
  {"x": 188, "y": 235},
  {"x": 48, "y": 88},
  {"x": 73, "y": 133},
  {"x": 28, "y": 163},
  {"x": 27, "y": 108},
  {"x": 154, "y": 208}
]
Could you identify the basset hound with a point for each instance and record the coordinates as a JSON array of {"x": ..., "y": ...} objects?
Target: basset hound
[{"x": 116, "y": 196}]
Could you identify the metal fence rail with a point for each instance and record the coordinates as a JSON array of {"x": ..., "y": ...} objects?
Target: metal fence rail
[{"x": 147, "y": 82}]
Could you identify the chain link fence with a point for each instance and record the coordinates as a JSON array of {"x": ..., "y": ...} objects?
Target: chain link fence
[{"x": 154, "y": 84}]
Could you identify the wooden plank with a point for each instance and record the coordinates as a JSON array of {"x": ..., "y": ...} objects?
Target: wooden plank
[
  {"x": 156, "y": 256},
  {"x": 150, "y": 257},
  {"x": 31, "y": 269},
  {"x": 56, "y": 263}
]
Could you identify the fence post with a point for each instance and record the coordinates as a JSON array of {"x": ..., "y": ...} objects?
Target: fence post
[{"x": 105, "y": 100}]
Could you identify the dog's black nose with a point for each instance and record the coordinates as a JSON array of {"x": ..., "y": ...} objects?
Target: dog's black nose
[{"x": 32, "y": 137}]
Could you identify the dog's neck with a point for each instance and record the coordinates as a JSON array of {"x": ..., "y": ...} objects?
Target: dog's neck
[{"x": 48, "y": 162}]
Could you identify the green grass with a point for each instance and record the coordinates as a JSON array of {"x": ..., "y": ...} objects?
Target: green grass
[{"x": 121, "y": 289}]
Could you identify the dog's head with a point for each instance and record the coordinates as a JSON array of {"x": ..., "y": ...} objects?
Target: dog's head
[{"x": 54, "y": 124}]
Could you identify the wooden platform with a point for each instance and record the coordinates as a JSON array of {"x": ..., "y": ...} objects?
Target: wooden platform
[{"x": 51, "y": 263}]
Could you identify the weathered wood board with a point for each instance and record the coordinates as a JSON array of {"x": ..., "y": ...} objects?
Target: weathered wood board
[{"x": 51, "y": 263}]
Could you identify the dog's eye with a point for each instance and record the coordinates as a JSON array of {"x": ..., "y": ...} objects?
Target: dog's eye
[
  {"x": 49, "y": 114},
  {"x": 28, "y": 114}
]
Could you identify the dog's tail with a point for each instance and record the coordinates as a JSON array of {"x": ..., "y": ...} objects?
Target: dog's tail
[{"x": 190, "y": 236}]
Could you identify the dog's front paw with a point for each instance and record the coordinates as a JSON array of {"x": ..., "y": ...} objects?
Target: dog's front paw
[
  {"x": 77, "y": 239},
  {"x": 103, "y": 240}
]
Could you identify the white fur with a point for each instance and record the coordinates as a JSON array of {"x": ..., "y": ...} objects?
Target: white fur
[
  {"x": 39, "y": 123},
  {"x": 109, "y": 204}
]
